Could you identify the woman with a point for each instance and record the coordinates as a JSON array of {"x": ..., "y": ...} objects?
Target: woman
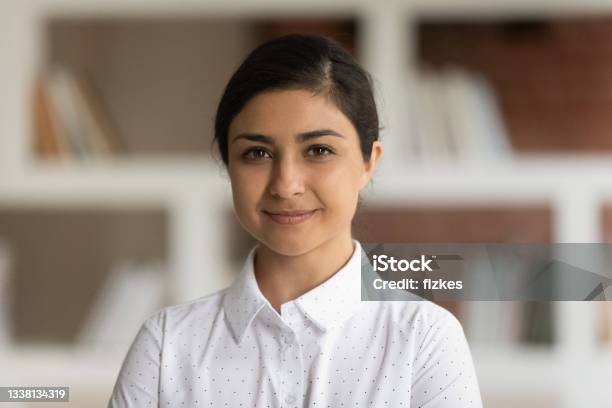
[{"x": 297, "y": 130}]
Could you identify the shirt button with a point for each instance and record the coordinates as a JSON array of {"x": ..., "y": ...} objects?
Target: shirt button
[
  {"x": 287, "y": 337},
  {"x": 290, "y": 399}
]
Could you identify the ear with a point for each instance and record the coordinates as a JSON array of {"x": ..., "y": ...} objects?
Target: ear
[{"x": 371, "y": 164}]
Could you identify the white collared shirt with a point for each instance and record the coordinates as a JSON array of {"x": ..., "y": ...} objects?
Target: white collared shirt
[{"x": 326, "y": 348}]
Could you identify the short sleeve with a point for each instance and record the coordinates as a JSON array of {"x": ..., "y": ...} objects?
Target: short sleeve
[
  {"x": 444, "y": 374},
  {"x": 138, "y": 380}
]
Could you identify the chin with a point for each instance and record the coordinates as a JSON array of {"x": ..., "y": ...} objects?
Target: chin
[{"x": 289, "y": 246}]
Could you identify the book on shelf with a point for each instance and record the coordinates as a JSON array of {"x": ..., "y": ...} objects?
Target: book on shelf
[
  {"x": 5, "y": 291},
  {"x": 505, "y": 322},
  {"x": 454, "y": 117},
  {"x": 46, "y": 143},
  {"x": 539, "y": 322},
  {"x": 131, "y": 293},
  {"x": 430, "y": 132},
  {"x": 69, "y": 122}
]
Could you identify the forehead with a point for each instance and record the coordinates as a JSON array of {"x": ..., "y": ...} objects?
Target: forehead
[{"x": 286, "y": 112}]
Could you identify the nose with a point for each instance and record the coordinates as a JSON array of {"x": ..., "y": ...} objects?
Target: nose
[{"x": 286, "y": 179}]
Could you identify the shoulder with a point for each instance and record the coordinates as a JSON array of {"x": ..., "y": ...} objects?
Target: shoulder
[
  {"x": 435, "y": 335},
  {"x": 422, "y": 313},
  {"x": 198, "y": 311},
  {"x": 421, "y": 320}
]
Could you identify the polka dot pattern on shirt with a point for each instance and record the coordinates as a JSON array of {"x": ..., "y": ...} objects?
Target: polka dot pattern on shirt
[{"x": 326, "y": 348}]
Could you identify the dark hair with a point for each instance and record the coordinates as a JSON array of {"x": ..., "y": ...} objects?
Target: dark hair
[{"x": 300, "y": 61}]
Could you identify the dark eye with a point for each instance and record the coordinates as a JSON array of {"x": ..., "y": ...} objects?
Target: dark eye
[
  {"x": 255, "y": 154},
  {"x": 320, "y": 150}
]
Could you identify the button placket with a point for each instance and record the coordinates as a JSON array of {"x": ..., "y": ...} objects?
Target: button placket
[
  {"x": 291, "y": 370},
  {"x": 292, "y": 364}
]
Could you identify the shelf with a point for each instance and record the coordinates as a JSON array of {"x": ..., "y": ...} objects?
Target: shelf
[
  {"x": 565, "y": 192},
  {"x": 58, "y": 364},
  {"x": 112, "y": 72},
  {"x": 62, "y": 262},
  {"x": 551, "y": 91},
  {"x": 89, "y": 376},
  {"x": 442, "y": 8},
  {"x": 530, "y": 178},
  {"x": 119, "y": 182},
  {"x": 499, "y": 323},
  {"x": 526, "y": 179},
  {"x": 473, "y": 9}
]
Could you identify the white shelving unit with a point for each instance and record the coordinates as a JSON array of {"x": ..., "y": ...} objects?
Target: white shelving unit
[{"x": 196, "y": 193}]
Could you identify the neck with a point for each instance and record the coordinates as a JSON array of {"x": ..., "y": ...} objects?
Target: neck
[{"x": 283, "y": 278}]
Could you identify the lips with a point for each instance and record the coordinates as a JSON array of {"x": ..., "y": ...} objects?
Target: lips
[
  {"x": 290, "y": 217},
  {"x": 289, "y": 213}
]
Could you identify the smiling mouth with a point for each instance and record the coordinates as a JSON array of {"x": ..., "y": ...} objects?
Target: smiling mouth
[{"x": 290, "y": 218}]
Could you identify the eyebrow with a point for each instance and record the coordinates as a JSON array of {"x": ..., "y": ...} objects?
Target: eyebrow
[{"x": 300, "y": 137}]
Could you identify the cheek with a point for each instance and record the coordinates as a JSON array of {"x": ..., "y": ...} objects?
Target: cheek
[
  {"x": 339, "y": 189},
  {"x": 247, "y": 189}
]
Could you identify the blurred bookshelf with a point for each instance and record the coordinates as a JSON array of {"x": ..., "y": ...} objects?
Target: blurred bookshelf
[
  {"x": 524, "y": 324},
  {"x": 63, "y": 256},
  {"x": 98, "y": 94},
  {"x": 475, "y": 151}
]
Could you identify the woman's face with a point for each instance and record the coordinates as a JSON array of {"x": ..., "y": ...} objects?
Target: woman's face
[{"x": 292, "y": 151}]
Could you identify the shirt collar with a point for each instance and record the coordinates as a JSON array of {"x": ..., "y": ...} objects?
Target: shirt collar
[{"x": 327, "y": 305}]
